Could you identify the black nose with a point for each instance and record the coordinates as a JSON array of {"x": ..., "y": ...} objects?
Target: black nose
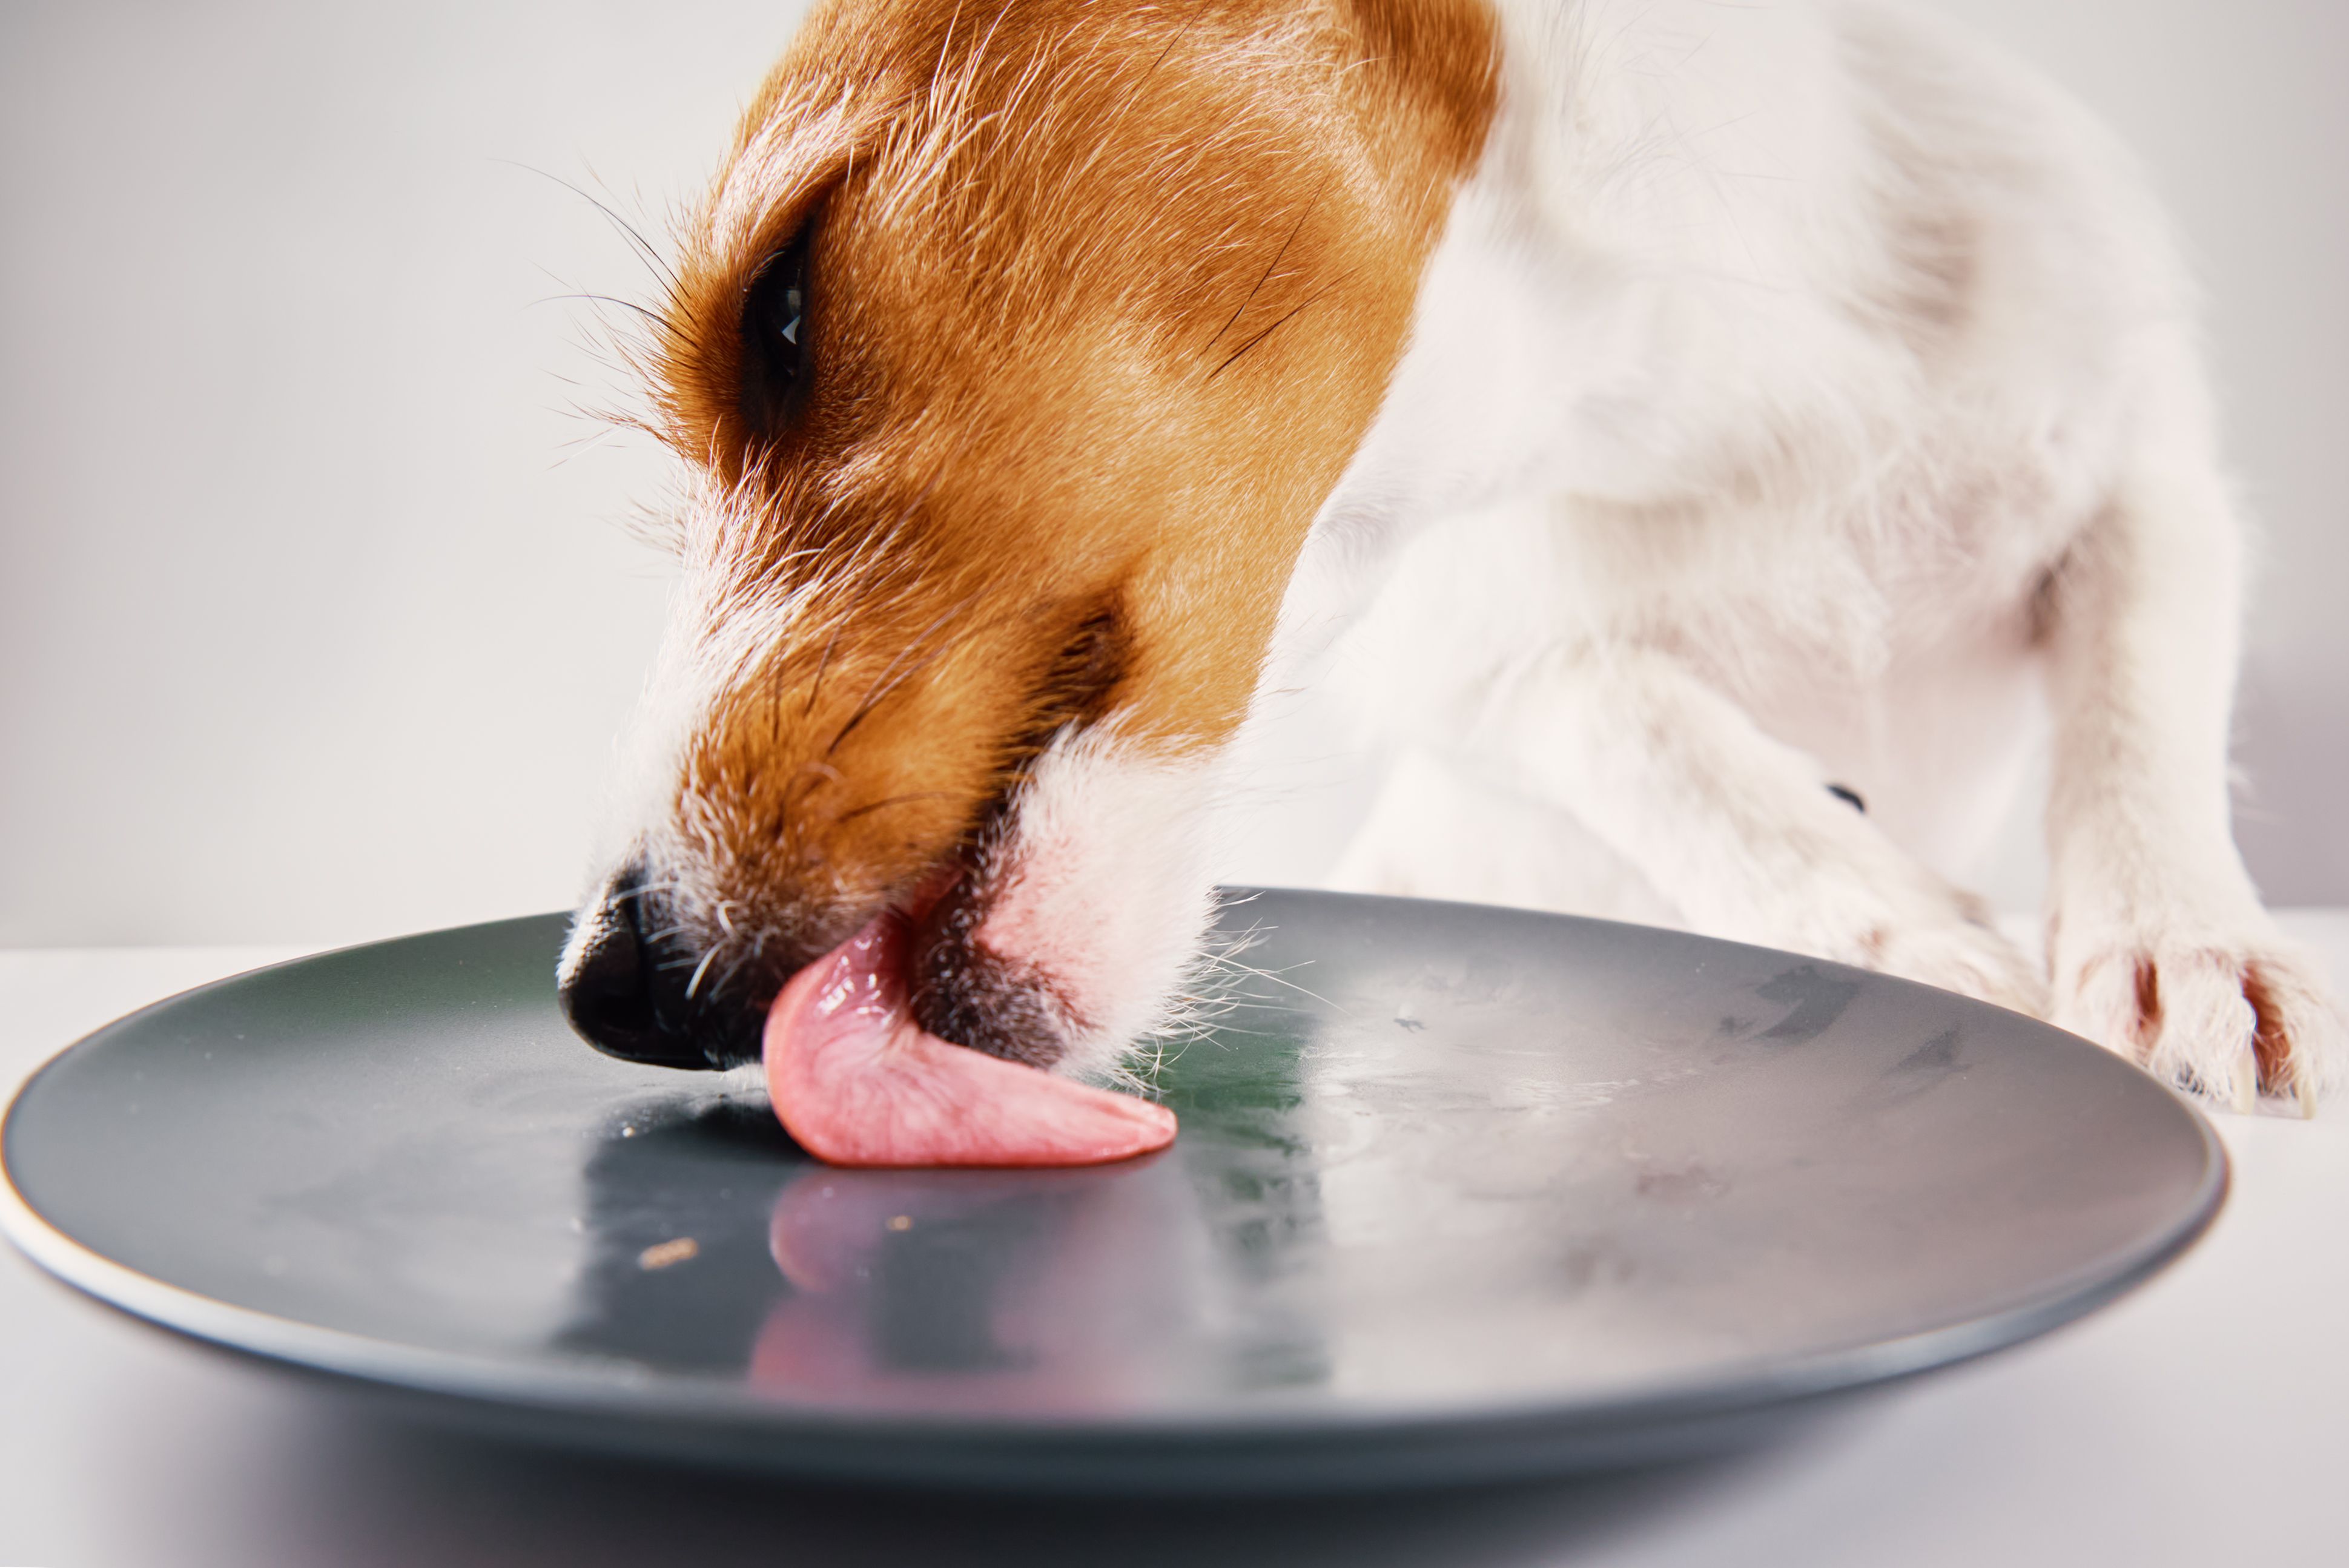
[{"x": 627, "y": 988}]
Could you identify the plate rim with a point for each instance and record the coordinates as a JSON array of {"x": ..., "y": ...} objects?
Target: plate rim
[{"x": 612, "y": 1389}]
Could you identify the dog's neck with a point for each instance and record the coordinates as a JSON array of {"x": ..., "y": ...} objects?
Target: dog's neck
[{"x": 1617, "y": 274}]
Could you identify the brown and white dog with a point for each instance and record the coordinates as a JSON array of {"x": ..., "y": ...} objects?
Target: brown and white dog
[{"x": 1670, "y": 408}]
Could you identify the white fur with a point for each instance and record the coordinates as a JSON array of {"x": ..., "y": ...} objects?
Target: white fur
[
  {"x": 1795, "y": 391},
  {"x": 1103, "y": 884}
]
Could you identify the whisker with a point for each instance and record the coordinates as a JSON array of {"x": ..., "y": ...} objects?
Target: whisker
[
  {"x": 1270, "y": 974},
  {"x": 643, "y": 247},
  {"x": 827, "y": 774},
  {"x": 823, "y": 663},
  {"x": 890, "y": 679},
  {"x": 1260, "y": 337},
  {"x": 1271, "y": 267},
  {"x": 892, "y": 801},
  {"x": 652, "y": 315}
]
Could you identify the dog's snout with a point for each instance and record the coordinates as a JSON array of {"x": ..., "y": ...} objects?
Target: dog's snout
[
  {"x": 602, "y": 987},
  {"x": 614, "y": 984}
]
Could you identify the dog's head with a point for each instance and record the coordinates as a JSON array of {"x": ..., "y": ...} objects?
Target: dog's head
[{"x": 1012, "y": 356}]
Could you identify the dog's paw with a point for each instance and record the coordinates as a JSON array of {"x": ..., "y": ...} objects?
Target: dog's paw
[
  {"x": 1961, "y": 953},
  {"x": 2225, "y": 1016}
]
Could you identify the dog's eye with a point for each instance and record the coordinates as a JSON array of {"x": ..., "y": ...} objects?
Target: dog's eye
[{"x": 775, "y": 337}]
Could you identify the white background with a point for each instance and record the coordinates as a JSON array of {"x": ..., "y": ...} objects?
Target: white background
[{"x": 317, "y": 615}]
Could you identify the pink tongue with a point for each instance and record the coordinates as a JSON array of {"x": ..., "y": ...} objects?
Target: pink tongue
[{"x": 857, "y": 1082}]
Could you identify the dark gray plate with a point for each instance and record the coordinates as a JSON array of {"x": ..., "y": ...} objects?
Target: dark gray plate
[{"x": 1461, "y": 1193}]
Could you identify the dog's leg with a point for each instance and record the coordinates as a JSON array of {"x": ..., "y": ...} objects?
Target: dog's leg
[
  {"x": 1735, "y": 829},
  {"x": 2159, "y": 947}
]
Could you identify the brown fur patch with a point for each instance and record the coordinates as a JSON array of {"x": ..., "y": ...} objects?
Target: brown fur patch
[{"x": 1098, "y": 303}]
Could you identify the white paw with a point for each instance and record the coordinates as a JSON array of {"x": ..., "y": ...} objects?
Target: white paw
[
  {"x": 1372, "y": 866},
  {"x": 2225, "y": 1016},
  {"x": 1962, "y": 954}
]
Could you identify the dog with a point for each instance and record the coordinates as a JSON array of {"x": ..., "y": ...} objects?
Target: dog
[{"x": 1719, "y": 443}]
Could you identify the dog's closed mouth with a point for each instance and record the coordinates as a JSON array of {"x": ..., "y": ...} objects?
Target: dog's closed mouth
[{"x": 857, "y": 1080}]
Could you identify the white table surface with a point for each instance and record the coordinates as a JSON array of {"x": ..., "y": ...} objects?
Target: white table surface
[{"x": 2203, "y": 1419}]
